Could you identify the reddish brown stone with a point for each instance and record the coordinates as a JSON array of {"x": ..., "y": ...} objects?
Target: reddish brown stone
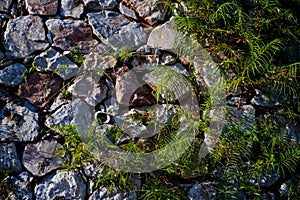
[
  {"x": 42, "y": 7},
  {"x": 40, "y": 88}
]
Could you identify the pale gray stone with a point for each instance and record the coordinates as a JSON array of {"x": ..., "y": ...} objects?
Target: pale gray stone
[
  {"x": 13, "y": 75},
  {"x": 9, "y": 158},
  {"x": 114, "y": 194},
  {"x": 18, "y": 124},
  {"x": 127, "y": 11},
  {"x": 41, "y": 158},
  {"x": 97, "y": 5},
  {"x": 21, "y": 186},
  {"x": 24, "y": 36},
  {"x": 89, "y": 89},
  {"x": 71, "y": 8},
  {"x": 42, "y": 7},
  {"x": 61, "y": 185},
  {"x": 52, "y": 60},
  {"x": 116, "y": 30},
  {"x": 70, "y": 34},
  {"x": 235, "y": 101}
]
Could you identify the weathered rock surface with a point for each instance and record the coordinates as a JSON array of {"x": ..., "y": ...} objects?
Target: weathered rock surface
[
  {"x": 21, "y": 186},
  {"x": 40, "y": 88},
  {"x": 114, "y": 194},
  {"x": 1, "y": 54},
  {"x": 54, "y": 61},
  {"x": 42, "y": 7},
  {"x": 152, "y": 11},
  {"x": 24, "y": 36},
  {"x": 13, "y": 75},
  {"x": 264, "y": 99},
  {"x": 244, "y": 118},
  {"x": 41, "y": 158},
  {"x": 71, "y": 8},
  {"x": 71, "y": 34},
  {"x": 61, "y": 185},
  {"x": 4, "y": 5},
  {"x": 127, "y": 11},
  {"x": 89, "y": 89},
  {"x": 18, "y": 124},
  {"x": 9, "y": 158},
  {"x": 97, "y": 5},
  {"x": 117, "y": 30}
]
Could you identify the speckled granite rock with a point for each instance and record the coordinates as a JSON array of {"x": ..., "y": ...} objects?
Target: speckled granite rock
[
  {"x": 42, "y": 7},
  {"x": 13, "y": 75},
  {"x": 41, "y": 158},
  {"x": 21, "y": 186},
  {"x": 24, "y": 36},
  {"x": 71, "y": 34},
  {"x": 61, "y": 185},
  {"x": 9, "y": 158}
]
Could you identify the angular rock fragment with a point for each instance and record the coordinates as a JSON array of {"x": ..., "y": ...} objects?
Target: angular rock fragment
[
  {"x": 89, "y": 89},
  {"x": 41, "y": 158},
  {"x": 13, "y": 75},
  {"x": 4, "y": 5},
  {"x": 115, "y": 193},
  {"x": 116, "y": 30},
  {"x": 9, "y": 158},
  {"x": 42, "y": 7},
  {"x": 21, "y": 186},
  {"x": 24, "y": 36},
  {"x": 61, "y": 185},
  {"x": 152, "y": 11},
  {"x": 97, "y": 5},
  {"x": 18, "y": 124},
  {"x": 40, "y": 88},
  {"x": 71, "y": 34},
  {"x": 54, "y": 61},
  {"x": 127, "y": 11},
  {"x": 244, "y": 118},
  {"x": 71, "y": 8}
]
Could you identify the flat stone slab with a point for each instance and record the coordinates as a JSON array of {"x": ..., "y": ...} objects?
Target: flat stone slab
[
  {"x": 70, "y": 35},
  {"x": 40, "y": 88},
  {"x": 13, "y": 75},
  {"x": 40, "y": 158},
  {"x": 42, "y": 7},
  {"x": 24, "y": 36},
  {"x": 56, "y": 62}
]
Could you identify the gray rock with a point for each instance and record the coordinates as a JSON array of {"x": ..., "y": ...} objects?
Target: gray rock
[
  {"x": 264, "y": 100},
  {"x": 97, "y": 5},
  {"x": 21, "y": 186},
  {"x": 75, "y": 112},
  {"x": 93, "y": 169},
  {"x": 110, "y": 106},
  {"x": 9, "y": 158},
  {"x": 59, "y": 101},
  {"x": 153, "y": 11},
  {"x": 13, "y": 75},
  {"x": 116, "y": 30},
  {"x": 71, "y": 8},
  {"x": 87, "y": 87},
  {"x": 41, "y": 158},
  {"x": 61, "y": 185},
  {"x": 71, "y": 34},
  {"x": 167, "y": 59},
  {"x": 114, "y": 194},
  {"x": 164, "y": 36},
  {"x": 199, "y": 192},
  {"x": 1, "y": 54},
  {"x": 244, "y": 118},
  {"x": 52, "y": 60},
  {"x": 235, "y": 101},
  {"x": 24, "y": 36},
  {"x": 266, "y": 180},
  {"x": 127, "y": 11},
  {"x": 18, "y": 124},
  {"x": 42, "y": 7},
  {"x": 4, "y": 5}
]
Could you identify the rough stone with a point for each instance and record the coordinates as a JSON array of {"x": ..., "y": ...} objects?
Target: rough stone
[
  {"x": 116, "y": 30},
  {"x": 59, "y": 101},
  {"x": 54, "y": 61},
  {"x": 4, "y": 5},
  {"x": 61, "y": 185},
  {"x": 42, "y": 7},
  {"x": 24, "y": 36},
  {"x": 97, "y": 62},
  {"x": 18, "y": 124},
  {"x": 71, "y": 8},
  {"x": 265, "y": 99},
  {"x": 110, "y": 106},
  {"x": 244, "y": 117},
  {"x": 93, "y": 169},
  {"x": 97, "y": 5},
  {"x": 114, "y": 194},
  {"x": 127, "y": 11},
  {"x": 266, "y": 180},
  {"x": 9, "y": 158},
  {"x": 40, "y": 158},
  {"x": 89, "y": 89},
  {"x": 71, "y": 34},
  {"x": 75, "y": 112},
  {"x": 235, "y": 101},
  {"x": 21, "y": 186},
  {"x": 40, "y": 88},
  {"x": 152, "y": 11},
  {"x": 199, "y": 192},
  {"x": 13, "y": 75},
  {"x": 1, "y": 54},
  {"x": 164, "y": 36}
]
